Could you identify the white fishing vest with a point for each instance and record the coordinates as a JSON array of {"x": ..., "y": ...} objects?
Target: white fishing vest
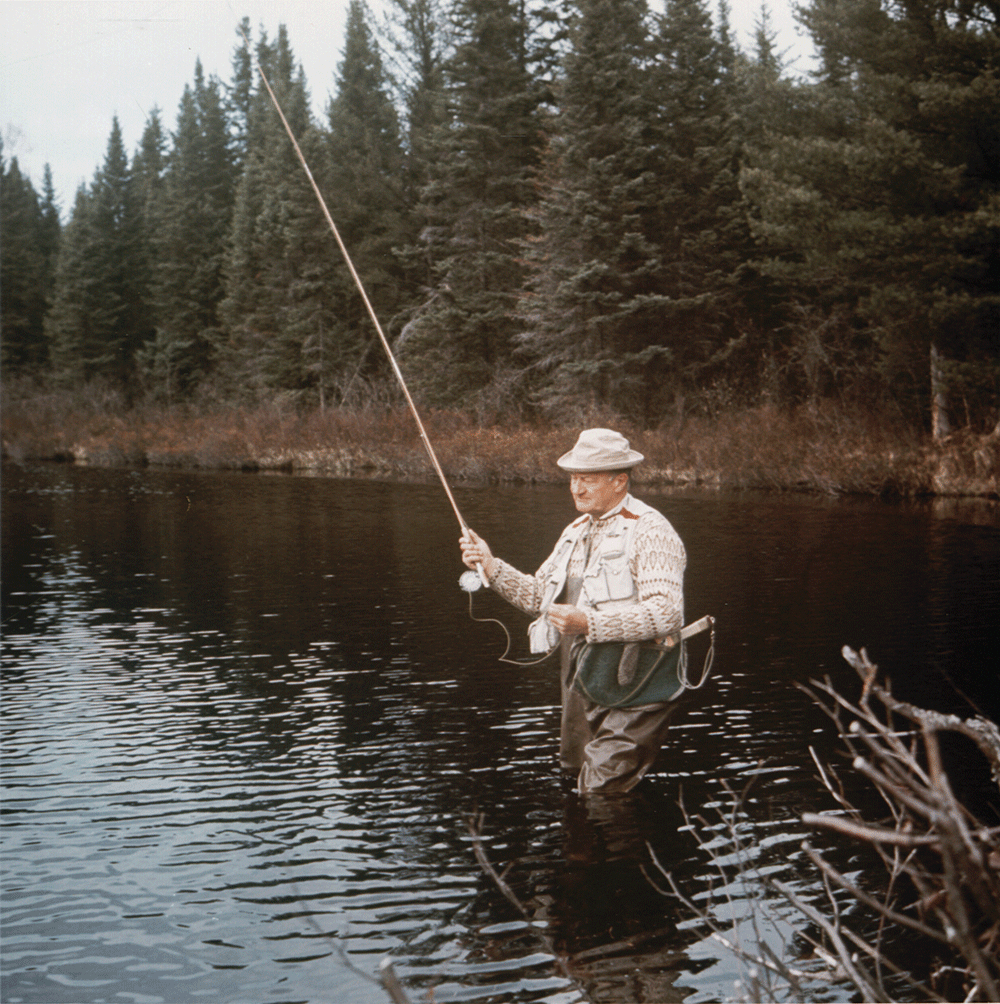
[{"x": 607, "y": 578}]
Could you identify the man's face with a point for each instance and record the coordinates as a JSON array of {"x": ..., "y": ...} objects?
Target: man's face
[{"x": 595, "y": 494}]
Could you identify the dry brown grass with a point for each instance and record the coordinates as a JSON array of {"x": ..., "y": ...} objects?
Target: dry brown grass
[{"x": 825, "y": 450}]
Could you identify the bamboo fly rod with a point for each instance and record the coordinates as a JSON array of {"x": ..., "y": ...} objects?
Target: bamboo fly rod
[{"x": 364, "y": 296}]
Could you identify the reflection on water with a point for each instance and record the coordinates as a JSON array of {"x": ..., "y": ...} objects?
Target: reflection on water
[{"x": 245, "y": 716}]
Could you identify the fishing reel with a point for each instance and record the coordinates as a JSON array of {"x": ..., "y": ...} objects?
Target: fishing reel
[{"x": 470, "y": 581}]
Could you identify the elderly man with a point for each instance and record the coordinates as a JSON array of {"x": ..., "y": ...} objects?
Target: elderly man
[{"x": 616, "y": 575}]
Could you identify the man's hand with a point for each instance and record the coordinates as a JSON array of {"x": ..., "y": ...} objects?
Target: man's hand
[
  {"x": 567, "y": 619},
  {"x": 475, "y": 551}
]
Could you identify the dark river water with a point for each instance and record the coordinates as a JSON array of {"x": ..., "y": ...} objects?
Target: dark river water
[{"x": 247, "y": 718}]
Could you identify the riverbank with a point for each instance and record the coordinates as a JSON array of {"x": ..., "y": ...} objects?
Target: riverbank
[{"x": 821, "y": 450}]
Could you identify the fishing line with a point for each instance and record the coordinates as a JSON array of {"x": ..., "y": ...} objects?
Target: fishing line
[
  {"x": 364, "y": 296},
  {"x": 470, "y": 583}
]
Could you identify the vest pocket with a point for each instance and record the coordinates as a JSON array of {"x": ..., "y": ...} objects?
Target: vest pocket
[
  {"x": 610, "y": 580},
  {"x": 619, "y": 577}
]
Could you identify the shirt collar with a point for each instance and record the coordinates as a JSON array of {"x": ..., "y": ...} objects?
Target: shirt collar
[{"x": 613, "y": 512}]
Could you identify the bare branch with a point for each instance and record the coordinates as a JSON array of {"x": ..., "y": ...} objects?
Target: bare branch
[
  {"x": 475, "y": 831},
  {"x": 931, "y": 841},
  {"x": 855, "y": 972},
  {"x": 388, "y": 979},
  {"x": 874, "y": 834}
]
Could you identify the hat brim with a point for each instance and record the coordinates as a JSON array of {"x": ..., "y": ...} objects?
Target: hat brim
[{"x": 630, "y": 460}]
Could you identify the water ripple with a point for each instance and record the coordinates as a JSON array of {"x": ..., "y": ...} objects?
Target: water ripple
[{"x": 228, "y": 754}]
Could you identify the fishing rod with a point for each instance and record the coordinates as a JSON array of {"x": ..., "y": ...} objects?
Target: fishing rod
[{"x": 364, "y": 296}]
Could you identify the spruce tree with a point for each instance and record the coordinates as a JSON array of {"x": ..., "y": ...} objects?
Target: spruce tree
[
  {"x": 475, "y": 210},
  {"x": 594, "y": 303},
  {"x": 148, "y": 165},
  {"x": 365, "y": 185},
  {"x": 642, "y": 225},
  {"x": 100, "y": 314},
  {"x": 193, "y": 215},
  {"x": 117, "y": 217},
  {"x": 24, "y": 271},
  {"x": 149, "y": 161},
  {"x": 754, "y": 364},
  {"x": 422, "y": 51},
  {"x": 273, "y": 240},
  {"x": 75, "y": 347},
  {"x": 48, "y": 239},
  {"x": 884, "y": 214},
  {"x": 239, "y": 93},
  {"x": 700, "y": 216}
]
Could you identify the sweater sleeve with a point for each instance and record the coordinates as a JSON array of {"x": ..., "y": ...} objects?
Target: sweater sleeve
[
  {"x": 520, "y": 590},
  {"x": 657, "y": 564}
]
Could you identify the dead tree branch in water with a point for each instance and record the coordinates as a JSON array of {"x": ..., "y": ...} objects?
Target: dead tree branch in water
[
  {"x": 942, "y": 863},
  {"x": 765, "y": 968},
  {"x": 949, "y": 857},
  {"x": 475, "y": 826},
  {"x": 386, "y": 979}
]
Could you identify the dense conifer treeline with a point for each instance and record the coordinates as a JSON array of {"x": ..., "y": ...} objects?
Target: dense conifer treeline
[{"x": 606, "y": 211}]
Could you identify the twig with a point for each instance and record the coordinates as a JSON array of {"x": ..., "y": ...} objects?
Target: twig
[
  {"x": 475, "y": 831},
  {"x": 853, "y": 969},
  {"x": 984, "y": 733},
  {"x": 388, "y": 979},
  {"x": 862, "y": 897},
  {"x": 874, "y": 834},
  {"x": 774, "y": 965}
]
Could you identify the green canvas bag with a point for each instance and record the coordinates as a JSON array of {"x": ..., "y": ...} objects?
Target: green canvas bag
[{"x": 604, "y": 676}]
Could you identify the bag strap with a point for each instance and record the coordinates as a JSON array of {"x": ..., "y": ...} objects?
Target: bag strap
[{"x": 705, "y": 623}]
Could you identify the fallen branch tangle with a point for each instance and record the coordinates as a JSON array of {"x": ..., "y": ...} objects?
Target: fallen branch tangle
[
  {"x": 943, "y": 864},
  {"x": 949, "y": 857}
]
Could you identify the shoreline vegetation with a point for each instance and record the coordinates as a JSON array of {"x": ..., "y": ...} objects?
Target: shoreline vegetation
[{"x": 827, "y": 448}]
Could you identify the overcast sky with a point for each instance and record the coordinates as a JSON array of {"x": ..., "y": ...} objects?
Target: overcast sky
[{"x": 68, "y": 66}]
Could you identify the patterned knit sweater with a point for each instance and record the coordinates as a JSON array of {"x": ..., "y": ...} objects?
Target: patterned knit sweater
[{"x": 657, "y": 564}]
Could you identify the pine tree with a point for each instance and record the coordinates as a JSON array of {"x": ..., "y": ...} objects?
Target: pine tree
[
  {"x": 365, "y": 188},
  {"x": 193, "y": 215},
  {"x": 100, "y": 315},
  {"x": 594, "y": 303},
  {"x": 24, "y": 270},
  {"x": 474, "y": 210},
  {"x": 275, "y": 234},
  {"x": 885, "y": 214}
]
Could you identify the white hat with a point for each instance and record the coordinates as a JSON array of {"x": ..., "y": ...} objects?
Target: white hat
[{"x": 599, "y": 450}]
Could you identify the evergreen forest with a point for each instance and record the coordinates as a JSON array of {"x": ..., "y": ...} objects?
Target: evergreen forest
[{"x": 557, "y": 212}]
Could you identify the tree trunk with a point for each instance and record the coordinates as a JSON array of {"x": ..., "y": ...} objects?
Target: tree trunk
[{"x": 940, "y": 426}]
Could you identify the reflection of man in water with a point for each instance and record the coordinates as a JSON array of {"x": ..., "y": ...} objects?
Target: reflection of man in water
[{"x": 617, "y": 572}]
